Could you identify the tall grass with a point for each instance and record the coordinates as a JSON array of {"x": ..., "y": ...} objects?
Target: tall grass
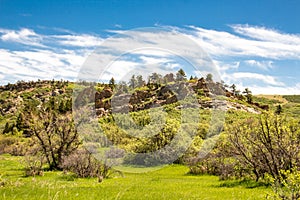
[{"x": 171, "y": 182}]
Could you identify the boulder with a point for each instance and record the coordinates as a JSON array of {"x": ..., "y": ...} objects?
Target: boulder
[
  {"x": 171, "y": 99},
  {"x": 106, "y": 93},
  {"x": 142, "y": 95}
]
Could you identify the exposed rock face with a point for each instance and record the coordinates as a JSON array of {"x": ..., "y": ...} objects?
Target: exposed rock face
[
  {"x": 101, "y": 112},
  {"x": 228, "y": 94},
  {"x": 169, "y": 78},
  {"x": 106, "y": 101},
  {"x": 120, "y": 103},
  {"x": 164, "y": 92},
  {"x": 99, "y": 103},
  {"x": 264, "y": 107},
  {"x": 85, "y": 96},
  {"x": 201, "y": 84},
  {"x": 171, "y": 99},
  {"x": 143, "y": 94},
  {"x": 237, "y": 106},
  {"x": 106, "y": 93}
]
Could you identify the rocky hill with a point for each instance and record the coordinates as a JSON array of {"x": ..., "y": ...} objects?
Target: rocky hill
[
  {"x": 108, "y": 98},
  {"x": 12, "y": 95},
  {"x": 208, "y": 93}
]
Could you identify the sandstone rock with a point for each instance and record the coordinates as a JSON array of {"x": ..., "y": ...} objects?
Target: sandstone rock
[
  {"x": 264, "y": 107},
  {"x": 101, "y": 112},
  {"x": 228, "y": 94},
  {"x": 99, "y": 103},
  {"x": 106, "y": 93},
  {"x": 97, "y": 96},
  {"x": 143, "y": 94},
  {"x": 171, "y": 99}
]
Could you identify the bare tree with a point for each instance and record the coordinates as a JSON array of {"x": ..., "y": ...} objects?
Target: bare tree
[
  {"x": 268, "y": 145},
  {"x": 54, "y": 133}
]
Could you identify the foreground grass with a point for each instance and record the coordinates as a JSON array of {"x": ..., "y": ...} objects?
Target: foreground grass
[{"x": 170, "y": 182}]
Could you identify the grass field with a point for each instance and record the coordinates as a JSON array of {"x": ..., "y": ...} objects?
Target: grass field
[
  {"x": 270, "y": 99},
  {"x": 171, "y": 182}
]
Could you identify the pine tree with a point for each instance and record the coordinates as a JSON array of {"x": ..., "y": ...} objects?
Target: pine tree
[
  {"x": 112, "y": 83},
  {"x": 209, "y": 77},
  {"x": 180, "y": 75},
  {"x": 248, "y": 95},
  {"x": 132, "y": 82},
  {"x": 278, "y": 110},
  {"x": 140, "y": 81}
]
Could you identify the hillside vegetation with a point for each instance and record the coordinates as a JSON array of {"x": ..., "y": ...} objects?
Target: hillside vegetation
[{"x": 207, "y": 127}]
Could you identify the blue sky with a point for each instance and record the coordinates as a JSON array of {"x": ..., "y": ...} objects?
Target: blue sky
[{"x": 253, "y": 44}]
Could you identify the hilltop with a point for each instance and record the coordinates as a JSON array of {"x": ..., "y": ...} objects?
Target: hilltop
[
  {"x": 123, "y": 97},
  {"x": 15, "y": 97},
  {"x": 159, "y": 93}
]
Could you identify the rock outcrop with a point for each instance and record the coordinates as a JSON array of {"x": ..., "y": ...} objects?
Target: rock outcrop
[{"x": 107, "y": 101}]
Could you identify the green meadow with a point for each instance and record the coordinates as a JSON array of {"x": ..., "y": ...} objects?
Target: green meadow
[{"x": 170, "y": 182}]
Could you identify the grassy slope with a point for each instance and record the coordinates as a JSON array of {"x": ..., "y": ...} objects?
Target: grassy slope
[
  {"x": 273, "y": 98},
  {"x": 170, "y": 182},
  {"x": 290, "y": 103}
]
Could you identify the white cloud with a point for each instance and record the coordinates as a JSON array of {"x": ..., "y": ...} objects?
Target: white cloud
[
  {"x": 46, "y": 56},
  {"x": 264, "y": 34},
  {"x": 50, "y": 56},
  {"x": 172, "y": 66},
  {"x": 274, "y": 46},
  {"x": 276, "y": 90},
  {"x": 150, "y": 49},
  {"x": 118, "y": 25},
  {"x": 153, "y": 52},
  {"x": 265, "y": 65},
  {"x": 120, "y": 70},
  {"x": 43, "y": 64},
  {"x": 260, "y": 77},
  {"x": 29, "y": 37},
  {"x": 147, "y": 60},
  {"x": 79, "y": 40},
  {"x": 224, "y": 66},
  {"x": 23, "y": 36}
]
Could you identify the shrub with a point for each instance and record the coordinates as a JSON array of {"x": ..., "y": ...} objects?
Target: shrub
[
  {"x": 5, "y": 143},
  {"x": 253, "y": 148},
  {"x": 3, "y": 182},
  {"x": 83, "y": 164},
  {"x": 287, "y": 186},
  {"x": 19, "y": 148},
  {"x": 34, "y": 165}
]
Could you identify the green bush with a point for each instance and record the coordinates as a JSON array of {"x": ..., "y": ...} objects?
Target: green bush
[{"x": 287, "y": 185}]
